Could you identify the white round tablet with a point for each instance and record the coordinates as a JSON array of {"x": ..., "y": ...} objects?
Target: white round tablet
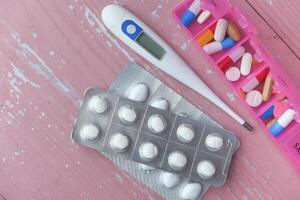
[
  {"x": 98, "y": 104},
  {"x": 139, "y": 92},
  {"x": 147, "y": 169},
  {"x": 169, "y": 180},
  {"x": 206, "y": 169},
  {"x": 119, "y": 142},
  {"x": 185, "y": 133},
  {"x": 233, "y": 74},
  {"x": 89, "y": 132},
  {"x": 190, "y": 191},
  {"x": 148, "y": 151},
  {"x": 177, "y": 160},
  {"x": 127, "y": 114},
  {"x": 214, "y": 141},
  {"x": 157, "y": 123},
  {"x": 160, "y": 103},
  {"x": 254, "y": 98}
]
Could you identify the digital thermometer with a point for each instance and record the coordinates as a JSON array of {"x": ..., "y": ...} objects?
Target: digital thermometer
[{"x": 149, "y": 45}]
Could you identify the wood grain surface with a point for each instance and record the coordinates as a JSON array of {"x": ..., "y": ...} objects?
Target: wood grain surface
[{"x": 52, "y": 50}]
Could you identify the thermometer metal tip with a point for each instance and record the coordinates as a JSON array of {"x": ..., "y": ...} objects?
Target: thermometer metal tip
[{"x": 248, "y": 126}]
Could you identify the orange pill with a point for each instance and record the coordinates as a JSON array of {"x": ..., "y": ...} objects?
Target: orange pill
[
  {"x": 233, "y": 31},
  {"x": 206, "y": 36},
  {"x": 267, "y": 91}
]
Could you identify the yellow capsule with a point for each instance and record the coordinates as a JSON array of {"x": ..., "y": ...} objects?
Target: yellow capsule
[{"x": 206, "y": 36}]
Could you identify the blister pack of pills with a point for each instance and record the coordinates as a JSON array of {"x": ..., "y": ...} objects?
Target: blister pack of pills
[
  {"x": 158, "y": 138},
  {"x": 153, "y": 91},
  {"x": 225, "y": 37}
]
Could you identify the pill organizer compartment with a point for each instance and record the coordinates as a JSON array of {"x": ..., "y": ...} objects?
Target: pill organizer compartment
[
  {"x": 234, "y": 15},
  {"x": 217, "y": 10},
  {"x": 250, "y": 47},
  {"x": 259, "y": 88},
  {"x": 283, "y": 85}
]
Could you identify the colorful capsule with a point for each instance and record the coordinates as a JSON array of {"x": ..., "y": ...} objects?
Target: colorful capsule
[
  {"x": 233, "y": 31},
  {"x": 191, "y": 13},
  {"x": 221, "y": 29},
  {"x": 284, "y": 120},
  {"x": 216, "y": 46},
  {"x": 280, "y": 108},
  {"x": 250, "y": 85},
  {"x": 232, "y": 58},
  {"x": 268, "y": 113},
  {"x": 207, "y": 35}
]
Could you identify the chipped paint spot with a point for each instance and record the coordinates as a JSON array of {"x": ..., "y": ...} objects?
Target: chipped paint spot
[
  {"x": 209, "y": 71},
  {"x": 28, "y": 54},
  {"x": 231, "y": 96},
  {"x": 20, "y": 74},
  {"x": 71, "y": 7},
  {"x": 183, "y": 46},
  {"x": 270, "y": 2}
]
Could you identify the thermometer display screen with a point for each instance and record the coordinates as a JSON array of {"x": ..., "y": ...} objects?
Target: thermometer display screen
[{"x": 151, "y": 46}]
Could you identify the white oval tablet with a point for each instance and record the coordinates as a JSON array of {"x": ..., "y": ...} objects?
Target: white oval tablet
[
  {"x": 177, "y": 160},
  {"x": 139, "y": 92},
  {"x": 206, "y": 169},
  {"x": 169, "y": 180},
  {"x": 254, "y": 98},
  {"x": 98, "y": 104},
  {"x": 147, "y": 169},
  {"x": 157, "y": 123},
  {"x": 233, "y": 73},
  {"x": 185, "y": 133},
  {"x": 221, "y": 29},
  {"x": 190, "y": 191},
  {"x": 127, "y": 114},
  {"x": 89, "y": 132},
  {"x": 148, "y": 151},
  {"x": 203, "y": 16},
  {"x": 246, "y": 64},
  {"x": 160, "y": 103},
  {"x": 119, "y": 142},
  {"x": 214, "y": 141}
]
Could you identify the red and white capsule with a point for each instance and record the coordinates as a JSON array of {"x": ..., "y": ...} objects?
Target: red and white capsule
[
  {"x": 232, "y": 58},
  {"x": 250, "y": 85}
]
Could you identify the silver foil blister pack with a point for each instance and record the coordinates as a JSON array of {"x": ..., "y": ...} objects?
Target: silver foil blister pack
[
  {"x": 128, "y": 78},
  {"x": 148, "y": 135}
]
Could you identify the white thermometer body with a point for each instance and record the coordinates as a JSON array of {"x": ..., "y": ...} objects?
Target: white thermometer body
[{"x": 149, "y": 45}]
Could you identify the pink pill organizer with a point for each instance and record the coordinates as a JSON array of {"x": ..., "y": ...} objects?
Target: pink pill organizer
[{"x": 283, "y": 89}]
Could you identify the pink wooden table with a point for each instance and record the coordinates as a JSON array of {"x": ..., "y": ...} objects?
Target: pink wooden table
[{"x": 52, "y": 50}]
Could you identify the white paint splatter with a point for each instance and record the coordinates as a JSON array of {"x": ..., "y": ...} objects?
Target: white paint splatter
[
  {"x": 20, "y": 74},
  {"x": 119, "y": 178},
  {"x": 71, "y": 7},
  {"x": 100, "y": 28},
  {"x": 183, "y": 46},
  {"x": 231, "y": 96},
  {"x": 13, "y": 83},
  {"x": 34, "y": 35},
  {"x": 155, "y": 15},
  {"x": 28, "y": 54},
  {"x": 270, "y": 2},
  {"x": 209, "y": 71},
  {"x": 51, "y": 53}
]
